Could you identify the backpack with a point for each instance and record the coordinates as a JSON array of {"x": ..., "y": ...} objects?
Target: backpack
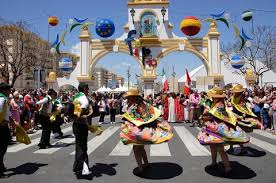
[{"x": 274, "y": 105}]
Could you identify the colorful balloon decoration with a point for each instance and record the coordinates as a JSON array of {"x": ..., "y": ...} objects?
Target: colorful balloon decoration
[
  {"x": 105, "y": 27},
  {"x": 218, "y": 15},
  {"x": 247, "y": 15},
  {"x": 190, "y": 26},
  {"x": 237, "y": 62},
  {"x": 53, "y": 20},
  {"x": 65, "y": 64},
  {"x": 52, "y": 76}
]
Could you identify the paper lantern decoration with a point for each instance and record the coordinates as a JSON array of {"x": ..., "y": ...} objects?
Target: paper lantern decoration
[
  {"x": 237, "y": 62},
  {"x": 53, "y": 20},
  {"x": 249, "y": 73},
  {"x": 52, "y": 76},
  {"x": 190, "y": 26},
  {"x": 65, "y": 64},
  {"x": 105, "y": 28},
  {"x": 247, "y": 15}
]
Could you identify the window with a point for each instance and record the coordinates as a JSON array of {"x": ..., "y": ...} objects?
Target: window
[{"x": 148, "y": 25}]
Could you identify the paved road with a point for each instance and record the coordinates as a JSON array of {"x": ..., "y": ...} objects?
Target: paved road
[{"x": 182, "y": 159}]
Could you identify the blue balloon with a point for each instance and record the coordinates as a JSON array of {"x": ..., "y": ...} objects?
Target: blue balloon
[
  {"x": 105, "y": 27},
  {"x": 65, "y": 64},
  {"x": 237, "y": 62}
]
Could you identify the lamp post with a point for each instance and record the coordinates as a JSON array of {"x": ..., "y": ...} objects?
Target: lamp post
[
  {"x": 128, "y": 77},
  {"x": 163, "y": 11},
  {"x": 132, "y": 13}
]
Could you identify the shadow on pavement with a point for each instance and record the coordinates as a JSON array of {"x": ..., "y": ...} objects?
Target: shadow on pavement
[
  {"x": 162, "y": 170},
  {"x": 249, "y": 151},
  {"x": 27, "y": 169},
  {"x": 239, "y": 171},
  {"x": 98, "y": 170}
]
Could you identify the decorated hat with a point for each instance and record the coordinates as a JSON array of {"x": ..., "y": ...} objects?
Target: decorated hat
[
  {"x": 216, "y": 92},
  {"x": 132, "y": 92},
  {"x": 237, "y": 88}
]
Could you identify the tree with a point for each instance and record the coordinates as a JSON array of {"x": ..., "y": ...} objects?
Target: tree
[
  {"x": 20, "y": 51},
  {"x": 260, "y": 56}
]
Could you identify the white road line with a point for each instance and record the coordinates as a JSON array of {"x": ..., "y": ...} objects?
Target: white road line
[
  {"x": 20, "y": 147},
  {"x": 35, "y": 133},
  {"x": 265, "y": 134},
  {"x": 192, "y": 144},
  {"x": 264, "y": 145},
  {"x": 121, "y": 149},
  {"x": 160, "y": 150},
  {"x": 94, "y": 143},
  {"x": 59, "y": 144}
]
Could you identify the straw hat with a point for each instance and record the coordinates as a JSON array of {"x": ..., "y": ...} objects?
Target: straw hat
[
  {"x": 237, "y": 88},
  {"x": 132, "y": 92},
  {"x": 216, "y": 92}
]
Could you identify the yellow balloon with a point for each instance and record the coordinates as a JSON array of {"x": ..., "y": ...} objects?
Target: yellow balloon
[
  {"x": 52, "y": 75},
  {"x": 137, "y": 43}
]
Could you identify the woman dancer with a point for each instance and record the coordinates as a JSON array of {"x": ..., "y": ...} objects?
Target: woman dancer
[
  {"x": 220, "y": 129},
  {"x": 142, "y": 127},
  {"x": 247, "y": 120}
]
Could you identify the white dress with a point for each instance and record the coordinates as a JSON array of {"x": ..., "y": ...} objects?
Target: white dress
[{"x": 172, "y": 115}]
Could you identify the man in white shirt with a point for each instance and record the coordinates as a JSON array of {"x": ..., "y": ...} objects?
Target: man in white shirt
[
  {"x": 4, "y": 129},
  {"x": 45, "y": 112},
  {"x": 80, "y": 128}
]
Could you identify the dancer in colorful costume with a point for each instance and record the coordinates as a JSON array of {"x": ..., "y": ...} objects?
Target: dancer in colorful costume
[
  {"x": 142, "y": 127},
  {"x": 247, "y": 120},
  {"x": 220, "y": 129}
]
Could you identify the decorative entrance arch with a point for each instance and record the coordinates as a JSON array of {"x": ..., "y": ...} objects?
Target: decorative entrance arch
[{"x": 158, "y": 37}]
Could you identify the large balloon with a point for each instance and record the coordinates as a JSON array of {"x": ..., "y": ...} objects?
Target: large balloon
[
  {"x": 65, "y": 64},
  {"x": 237, "y": 62},
  {"x": 53, "y": 20},
  {"x": 247, "y": 15},
  {"x": 190, "y": 26},
  {"x": 105, "y": 27}
]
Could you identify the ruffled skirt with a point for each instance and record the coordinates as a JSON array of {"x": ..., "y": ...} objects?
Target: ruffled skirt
[
  {"x": 248, "y": 124},
  {"x": 221, "y": 133},
  {"x": 153, "y": 133}
]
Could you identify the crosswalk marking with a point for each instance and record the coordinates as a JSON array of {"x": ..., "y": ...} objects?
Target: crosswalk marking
[
  {"x": 160, "y": 150},
  {"x": 35, "y": 133},
  {"x": 265, "y": 134},
  {"x": 192, "y": 144},
  {"x": 20, "y": 147},
  {"x": 94, "y": 143},
  {"x": 264, "y": 145},
  {"x": 59, "y": 144},
  {"x": 121, "y": 149}
]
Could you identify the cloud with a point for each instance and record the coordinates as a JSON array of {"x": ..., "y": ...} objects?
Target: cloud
[{"x": 76, "y": 49}]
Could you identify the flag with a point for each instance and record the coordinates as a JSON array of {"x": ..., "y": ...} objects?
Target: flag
[
  {"x": 188, "y": 79},
  {"x": 187, "y": 88},
  {"x": 165, "y": 84}
]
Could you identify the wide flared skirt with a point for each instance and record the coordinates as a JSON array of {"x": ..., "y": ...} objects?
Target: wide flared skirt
[
  {"x": 150, "y": 134},
  {"x": 248, "y": 124},
  {"x": 221, "y": 133}
]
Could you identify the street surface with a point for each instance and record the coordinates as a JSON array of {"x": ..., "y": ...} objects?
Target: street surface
[{"x": 180, "y": 160}]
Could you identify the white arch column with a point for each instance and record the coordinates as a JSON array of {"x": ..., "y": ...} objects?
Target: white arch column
[
  {"x": 214, "y": 54},
  {"x": 85, "y": 40}
]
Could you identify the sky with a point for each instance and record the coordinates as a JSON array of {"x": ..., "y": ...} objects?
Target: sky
[{"x": 36, "y": 12}]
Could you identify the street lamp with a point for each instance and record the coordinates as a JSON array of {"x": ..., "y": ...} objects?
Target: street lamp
[
  {"x": 132, "y": 13},
  {"x": 163, "y": 11},
  {"x": 128, "y": 76}
]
